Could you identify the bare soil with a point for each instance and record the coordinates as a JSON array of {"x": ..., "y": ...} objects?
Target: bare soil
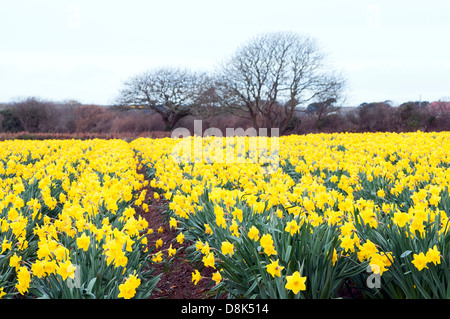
[{"x": 176, "y": 280}]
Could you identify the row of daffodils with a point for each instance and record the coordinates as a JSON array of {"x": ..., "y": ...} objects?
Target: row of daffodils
[
  {"x": 68, "y": 226},
  {"x": 313, "y": 216}
]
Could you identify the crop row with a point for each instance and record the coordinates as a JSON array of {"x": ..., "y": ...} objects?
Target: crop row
[{"x": 314, "y": 216}]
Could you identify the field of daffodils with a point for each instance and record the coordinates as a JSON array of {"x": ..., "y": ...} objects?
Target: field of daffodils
[{"x": 312, "y": 216}]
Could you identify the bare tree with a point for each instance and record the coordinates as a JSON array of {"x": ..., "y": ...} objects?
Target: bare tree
[
  {"x": 173, "y": 93},
  {"x": 93, "y": 119},
  {"x": 319, "y": 110},
  {"x": 272, "y": 70},
  {"x": 34, "y": 114}
]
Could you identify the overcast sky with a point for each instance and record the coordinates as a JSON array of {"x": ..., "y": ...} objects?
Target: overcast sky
[{"x": 84, "y": 50}]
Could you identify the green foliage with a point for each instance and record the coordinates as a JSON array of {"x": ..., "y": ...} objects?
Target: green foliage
[{"x": 10, "y": 121}]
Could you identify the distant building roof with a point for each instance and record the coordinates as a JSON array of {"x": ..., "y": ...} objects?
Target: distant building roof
[{"x": 440, "y": 106}]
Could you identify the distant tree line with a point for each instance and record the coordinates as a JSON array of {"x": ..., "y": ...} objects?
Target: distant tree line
[
  {"x": 275, "y": 80},
  {"x": 34, "y": 115}
]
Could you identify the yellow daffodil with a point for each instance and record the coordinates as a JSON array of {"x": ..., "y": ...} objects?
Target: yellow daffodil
[
  {"x": 433, "y": 256},
  {"x": 196, "y": 277},
  {"x": 292, "y": 227},
  {"x": 209, "y": 260},
  {"x": 38, "y": 268},
  {"x": 23, "y": 280},
  {"x": 253, "y": 233},
  {"x": 83, "y": 242},
  {"x": 295, "y": 282},
  {"x": 217, "y": 277},
  {"x": 128, "y": 288},
  {"x": 227, "y": 248},
  {"x": 66, "y": 269},
  {"x": 180, "y": 238},
  {"x": 171, "y": 251},
  {"x": 420, "y": 261},
  {"x": 14, "y": 261},
  {"x": 159, "y": 243},
  {"x": 274, "y": 269}
]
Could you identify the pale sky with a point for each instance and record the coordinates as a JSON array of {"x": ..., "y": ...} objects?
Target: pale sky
[{"x": 84, "y": 50}]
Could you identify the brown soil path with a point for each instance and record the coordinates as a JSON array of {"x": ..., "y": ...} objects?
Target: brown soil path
[{"x": 176, "y": 281}]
